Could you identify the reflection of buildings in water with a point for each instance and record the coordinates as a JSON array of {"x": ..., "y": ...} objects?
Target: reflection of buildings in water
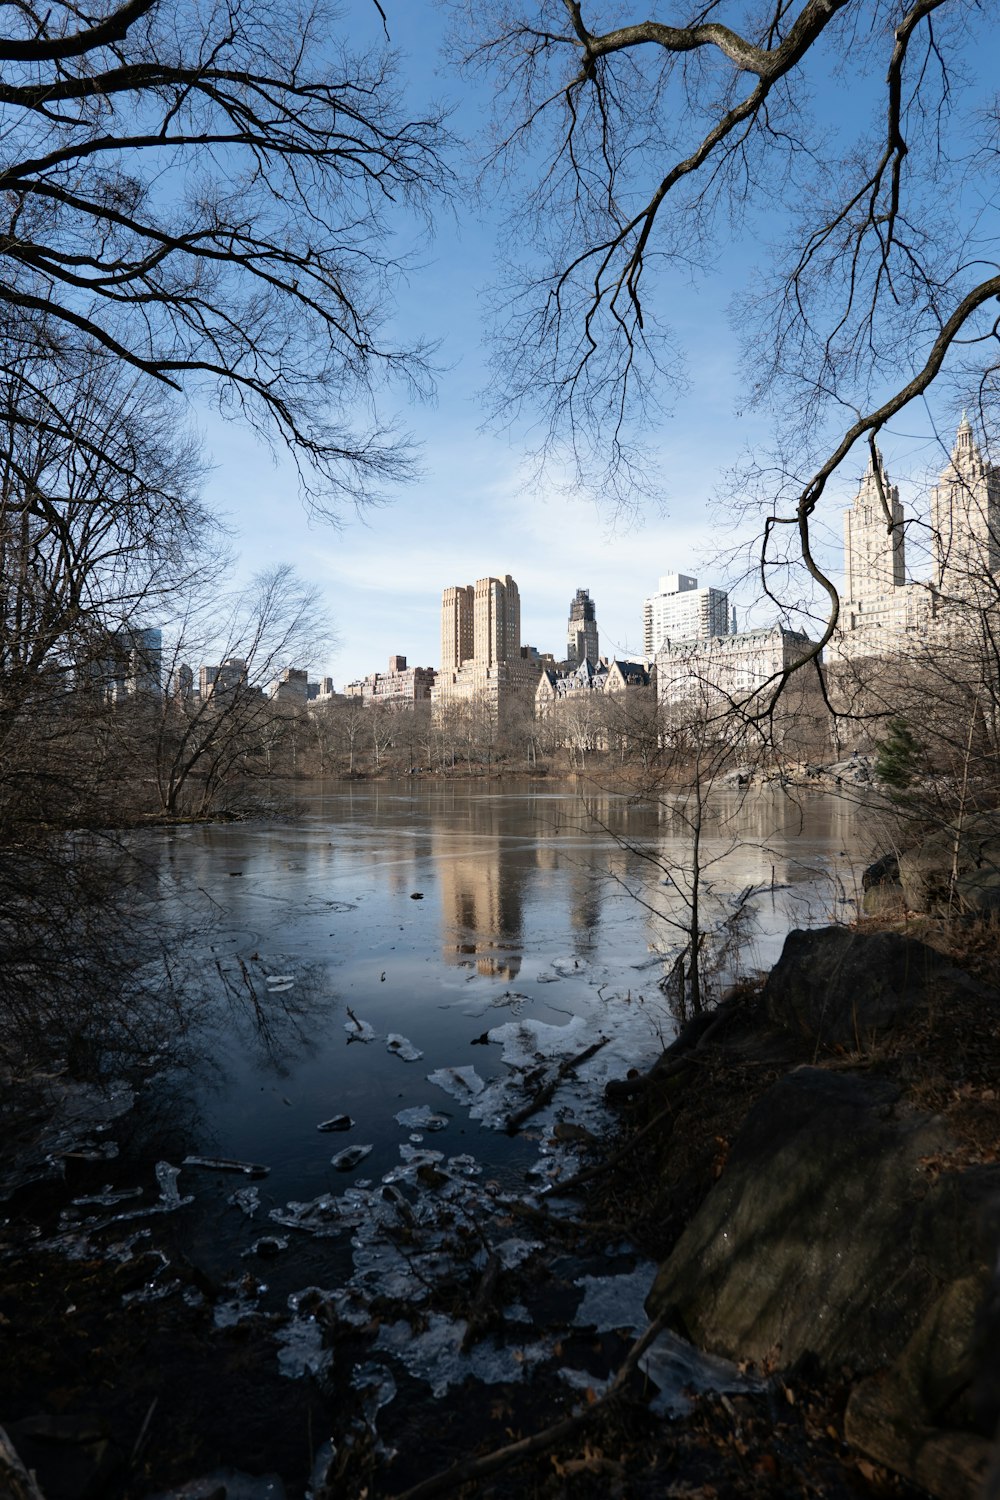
[
  {"x": 481, "y": 889},
  {"x": 585, "y": 888}
]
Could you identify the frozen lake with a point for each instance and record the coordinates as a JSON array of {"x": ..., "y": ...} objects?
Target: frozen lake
[
  {"x": 424, "y": 918},
  {"x": 361, "y": 997}
]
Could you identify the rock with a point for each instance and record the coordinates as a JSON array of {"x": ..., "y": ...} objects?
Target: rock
[
  {"x": 70, "y": 1457},
  {"x": 845, "y": 988},
  {"x": 15, "y": 1481},
  {"x": 884, "y": 871},
  {"x": 885, "y": 900},
  {"x": 804, "y": 1243},
  {"x": 926, "y": 872},
  {"x": 950, "y": 1465},
  {"x": 827, "y": 1238},
  {"x": 978, "y": 891}
]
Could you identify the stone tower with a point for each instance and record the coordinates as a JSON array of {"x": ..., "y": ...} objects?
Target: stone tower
[
  {"x": 965, "y": 519},
  {"x": 873, "y": 551},
  {"x": 581, "y": 631}
]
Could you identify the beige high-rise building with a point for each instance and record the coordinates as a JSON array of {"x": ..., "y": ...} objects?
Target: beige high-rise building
[
  {"x": 965, "y": 520},
  {"x": 481, "y": 658},
  {"x": 456, "y": 627},
  {"x": 496, "y": 621}
]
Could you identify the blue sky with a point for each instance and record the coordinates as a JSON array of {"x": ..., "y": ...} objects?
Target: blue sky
[{"x": 471, "y": 514}]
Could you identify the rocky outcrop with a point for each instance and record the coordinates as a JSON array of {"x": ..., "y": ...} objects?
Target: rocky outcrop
[
  {"x": 840, "y": 1231},
  {"x": 822, "y": 1184},
  {"x": 845, "y": 988},
  {"x": 954, "y": 869}
]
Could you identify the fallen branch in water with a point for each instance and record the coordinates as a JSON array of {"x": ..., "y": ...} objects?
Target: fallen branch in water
[
  {"x": 543, "y": 1094},
  {"x": 483, "y": 1307},
  {"x": 502, "y": 1458}
]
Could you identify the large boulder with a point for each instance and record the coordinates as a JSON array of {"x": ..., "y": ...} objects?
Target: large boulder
[
  {"x": 830, "y": 1235},
  {"x": 804, "y": 1243},
  {"x": 955, "y": 868},
  {"x": 846, "y": 988}
]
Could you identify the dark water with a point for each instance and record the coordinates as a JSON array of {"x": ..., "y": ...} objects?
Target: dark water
[
  {"x": 530, "y": 909},
  {"x": 417, "y": 959}
]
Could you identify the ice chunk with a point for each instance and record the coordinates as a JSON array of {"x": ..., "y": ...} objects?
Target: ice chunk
[
  {"x": 461, "y": 1083},
  {"x": 421, "y": 1117},
  {"x": 514, "y": 1252},
  {"x": 267, "y": 1247},
  {"x": 378, "y": 1386},
  {"x": 675, "y": 1366},
  {"x": 402, "y": 1048},
  {"x": 300, "y": 1349},
  {"x": 280, "y": 978},
  {"x": 337, "y": 1122},
  {"x": 615, "y": 1301},
  {"x": 359, "y": 1031},
  {"x": 348, "y": 1159},
  {"x": 167, "y": 1176},
  {"x": 321, "y": 1478},
  {"x": 248, "y": 1199},
  {"x": 226, "y": 1164},
  {"x": 435, "y": 1355},
  {"x": 322, "y": 1217},
  {"x": 108, "y": 1198}
]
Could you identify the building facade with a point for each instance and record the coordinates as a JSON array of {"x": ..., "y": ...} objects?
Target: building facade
[
  {"x": 401, "y": 685},
  {"x": 874, "y": 563},
  {"x": 290, "y": 687},
  {"x": 581, "y": 631},
  {"x": 223, "y": 679},
  {"x": 883, "y": 614},
  {"x": 710, "y": 675},
  {"x": 126, "y": 663},
  {"x": 965, "y": 521},
  {"x": 682, "y": 611},
  {"x": 496, "y": 673}
]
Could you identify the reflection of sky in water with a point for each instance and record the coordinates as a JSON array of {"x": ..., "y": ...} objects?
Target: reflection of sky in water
[{"x": 527, "y": 912}]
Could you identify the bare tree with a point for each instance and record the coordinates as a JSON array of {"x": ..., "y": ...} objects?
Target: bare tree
[
  {"x": 100, "y": 528},
  {"x": 207, "y": 741},
  {"x": 206, "y": 194},
  {"x": 643, "y": 140}
]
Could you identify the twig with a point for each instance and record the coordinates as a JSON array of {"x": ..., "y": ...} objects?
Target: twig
[
  {"x": 502, "y": 1458},
  {"x": 571, "y": 1183},
  {"x": 482, "y": 1303},
  {"x": 542, "y": 1095},
  {"x": 16, "y": 1482}
]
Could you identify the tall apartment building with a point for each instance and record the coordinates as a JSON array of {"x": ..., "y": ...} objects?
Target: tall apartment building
[
  {"x": 965, "y": 520},
  {"x": 291, "y": 686},
  {"x": 456, "y": 627},
  {"x": 581, "y": 631},
  {"x": 225, "y": 678},
  {"x": 126, "y": 663},
  {"x": 494, "y": 668},
  {"x": 882, "y": 614},
  {"x": 496, "y": 621},
  {"x": 681, "y": 611}
]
